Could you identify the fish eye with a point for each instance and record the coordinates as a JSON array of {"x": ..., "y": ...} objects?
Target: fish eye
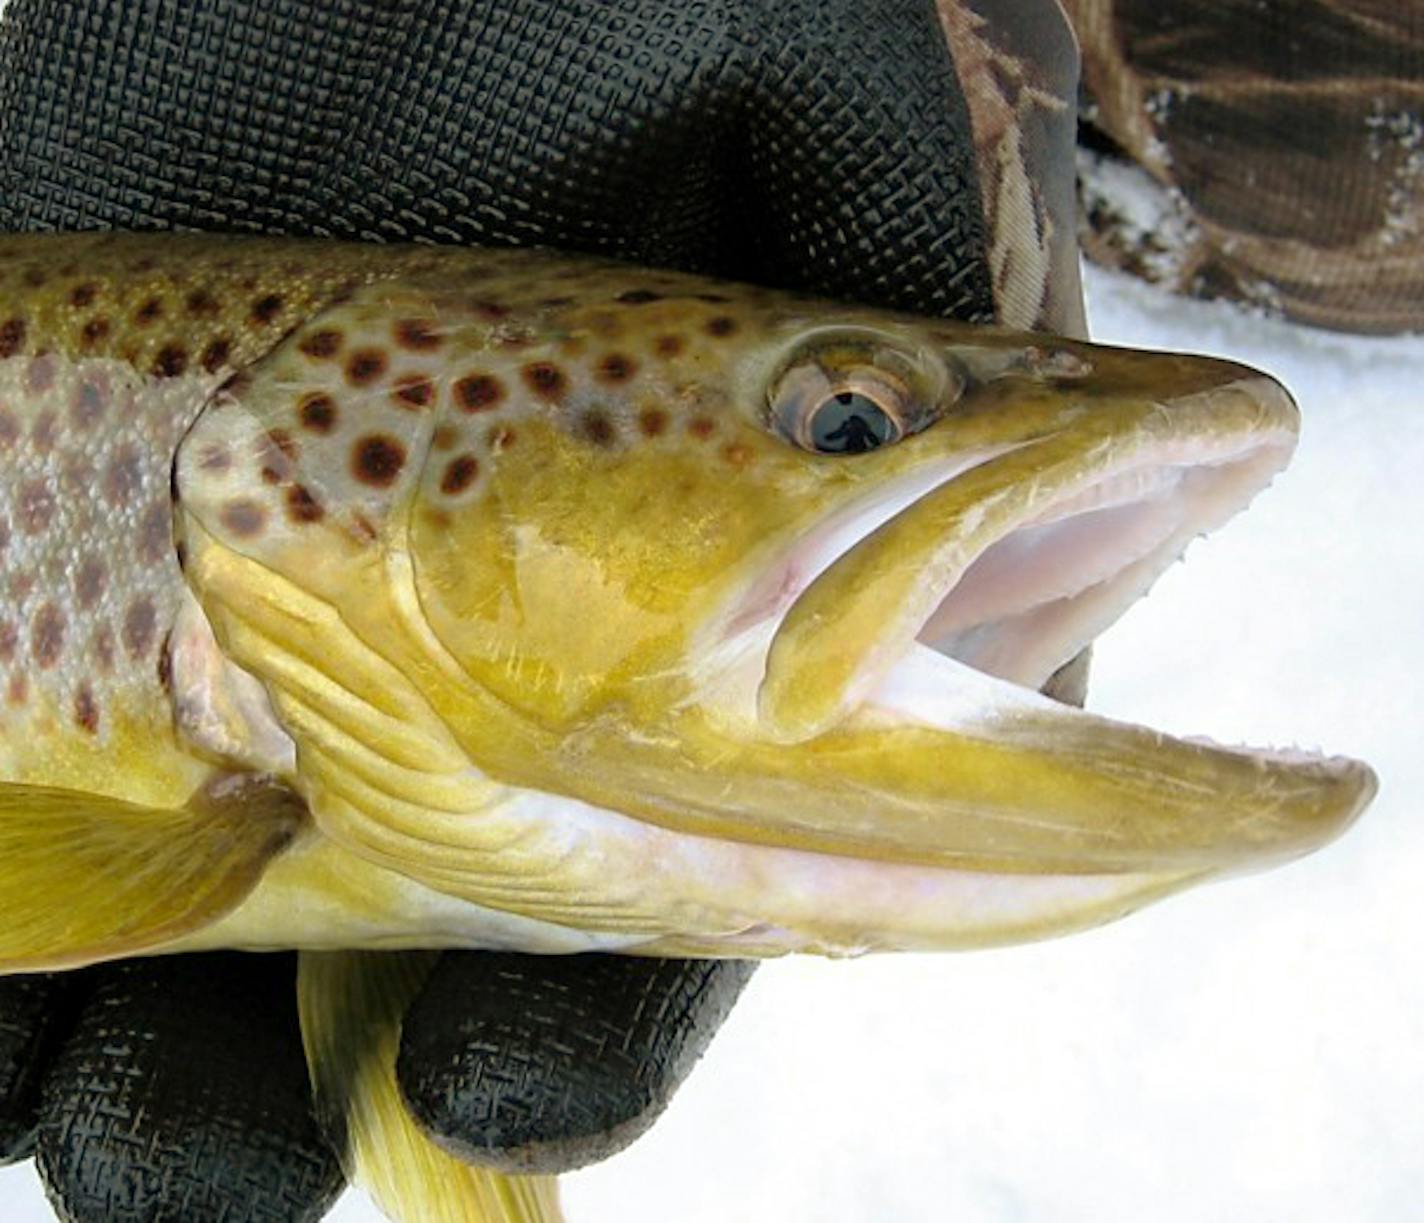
[
  {"x": 852, "y": 420},
  {"x": 841, "y": 411}
]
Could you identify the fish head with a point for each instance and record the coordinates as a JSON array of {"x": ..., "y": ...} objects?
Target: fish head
[{"x": 740, "y": 569}]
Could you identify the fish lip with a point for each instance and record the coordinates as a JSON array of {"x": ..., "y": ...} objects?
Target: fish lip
[{"x": 1263, "y": 452}]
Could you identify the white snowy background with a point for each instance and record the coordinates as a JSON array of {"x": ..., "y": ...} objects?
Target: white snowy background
[{"x": 1250, "y": 1051}]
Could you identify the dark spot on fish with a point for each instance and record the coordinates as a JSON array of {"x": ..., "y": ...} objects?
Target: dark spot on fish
[
  {"x": 21, "y": 586},
  {"x": 89, "y": 582},
  {"x": 616, "y": 367},
  {"x": 444, "y": 438},
  {"x": 215, "y": 355},
  {"x": 478, "y": 392},
  {"x": 668, "y": 345},
  {"x": 94, "y": 330},
  {"x": 12, "y": 336},
  {"x": 45, "y": 431},
  {"x": 155, "y": 533},
  {"x": 140, "y": 622},
  {"x": 639, "y": 297},
  {"x": 47, "y": 636},
  {"x": 265, "y": 309},
  {"x": 459, "y": 474},
  {"x": 317, "y": 413},
  {"x": 215, "y": 458},
  {"x": 9, "y": 639},
  {"x": 721, "y": 325},
  {"x": 39, "y": 377},
  {"x": 83, "y": 295},
  {"x": 86, "y": 711},
  {"x": 716, "y": 299},
  {"x": 489, "y": 309},
  {"x": 17, "y": 689},
  {"x": 164, "y": 667},
  {"x": 364, "y": 366},
  {"x": 104, "y": 648},
  {"x": 36, "y": 507},
  {"x": 149, "y": 312},
  {"x": 419, "y": 334},
  {"x": 701, "y": 427},
  {"x": 653, "y": 422},
  {"x": 738, "y": 454},
  {"x": 171, "y": 361},
  {"x": 88, "y": 405},
  {"x": 9, "y": 429},
  {"x": 320, "y": 345},
  {"x": 277, "y": 453},
  {"x": 544, "y": 378},
  {"x": 243, "y": 518},
  {"x": 377, "y": 460},
  {"x": 302, "y": 506},
  {"x": 122, "y": 478},
  {"x": 201, "y": 303},
  {"x": 413, "y": 391},
  {"x": 596, "y": 426}
]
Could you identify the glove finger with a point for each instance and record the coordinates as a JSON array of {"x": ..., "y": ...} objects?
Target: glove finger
[
  {"x": 34, "y": 1014},
  {"x": 545, "y": 1063},
  {"x": 182, "y": 1095}
]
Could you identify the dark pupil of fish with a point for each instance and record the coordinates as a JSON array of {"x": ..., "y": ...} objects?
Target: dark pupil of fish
[{"x": 850, "y": 423}]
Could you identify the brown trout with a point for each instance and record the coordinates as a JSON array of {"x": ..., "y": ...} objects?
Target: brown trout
[{"x": 376, "y": 597}]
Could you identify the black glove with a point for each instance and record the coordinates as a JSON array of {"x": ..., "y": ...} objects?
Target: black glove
[{"x": 821, "y": 145}]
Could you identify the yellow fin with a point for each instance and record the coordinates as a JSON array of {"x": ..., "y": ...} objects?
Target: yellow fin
[
  {"x": 351, "y": 1006},
  {"x": 86, "y": 877}
]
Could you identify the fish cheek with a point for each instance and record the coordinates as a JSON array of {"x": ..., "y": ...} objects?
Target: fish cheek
[{"x": 576, "y": 578}]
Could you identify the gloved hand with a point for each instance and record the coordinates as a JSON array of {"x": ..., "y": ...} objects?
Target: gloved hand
[{"x": 816, "y": 144}]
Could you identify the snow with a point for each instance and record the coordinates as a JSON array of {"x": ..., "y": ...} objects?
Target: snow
[{"x": 1251, "y": 1050}]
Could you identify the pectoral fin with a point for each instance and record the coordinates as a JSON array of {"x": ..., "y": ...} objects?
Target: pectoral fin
[
  {"x": 351, "y": 1008},
  {"x": 85, "y": 877}
]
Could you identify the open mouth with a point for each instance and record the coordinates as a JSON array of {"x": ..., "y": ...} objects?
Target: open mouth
[{"x": 949, "y": 602}]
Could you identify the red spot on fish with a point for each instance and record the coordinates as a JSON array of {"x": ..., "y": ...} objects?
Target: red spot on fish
[{"x": 653, "y": 422}]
